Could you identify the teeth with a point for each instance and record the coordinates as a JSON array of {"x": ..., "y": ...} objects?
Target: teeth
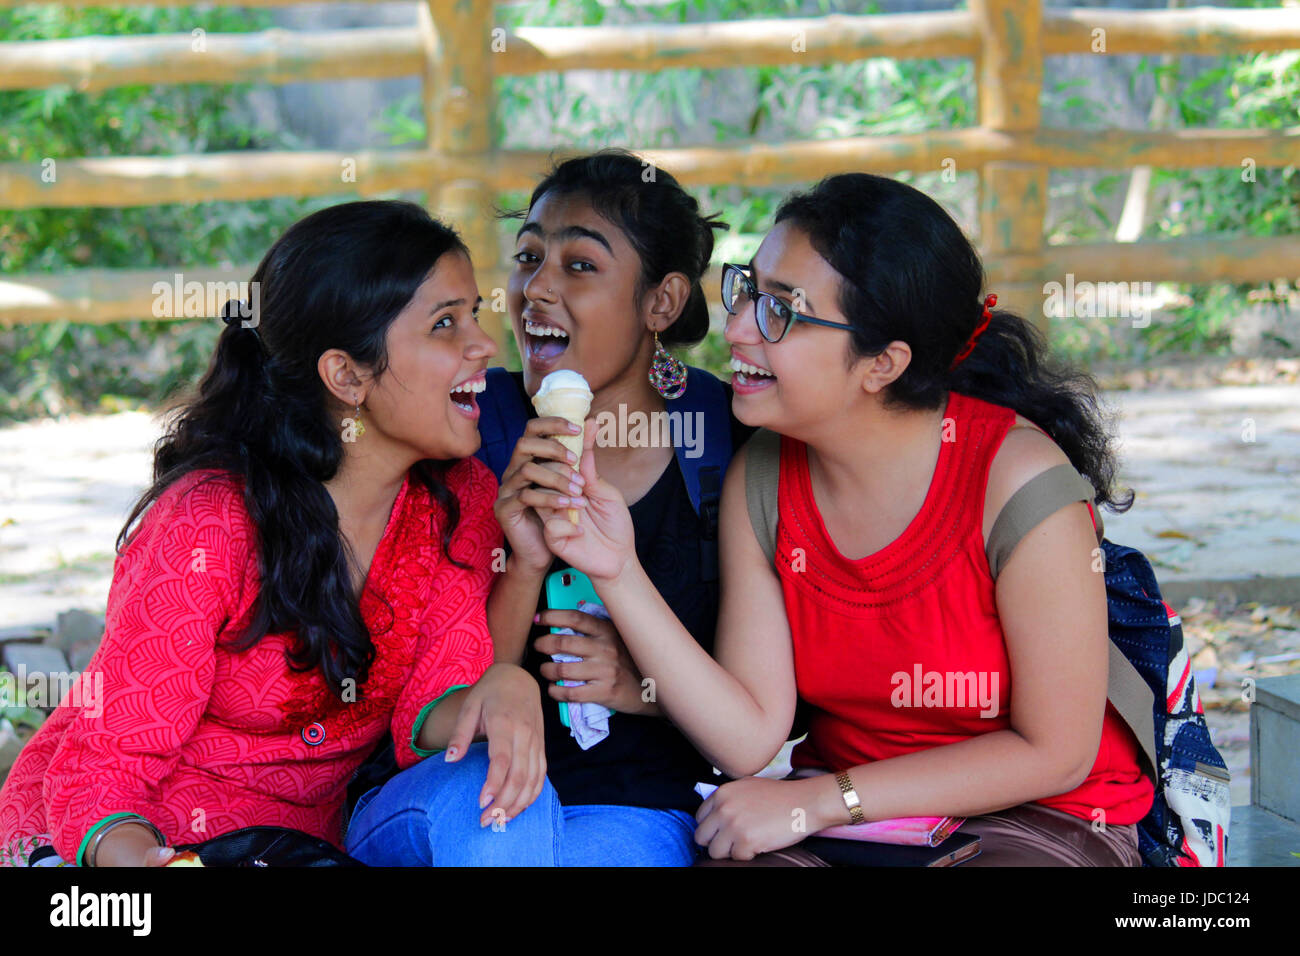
[
  {"x": 533, "y": 328},
  {"x": 476, "y": 385},
  {"x": 738, "y": 366}
]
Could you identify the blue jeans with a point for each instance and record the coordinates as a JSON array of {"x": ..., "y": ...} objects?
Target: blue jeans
[{"x": 428, "y": 815}]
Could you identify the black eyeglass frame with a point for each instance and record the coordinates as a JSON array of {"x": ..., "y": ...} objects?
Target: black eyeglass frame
[{"x": 763, "y": 301}]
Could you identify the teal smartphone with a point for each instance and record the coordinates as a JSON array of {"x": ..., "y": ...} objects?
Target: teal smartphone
[{"x": 564, "y": 589}]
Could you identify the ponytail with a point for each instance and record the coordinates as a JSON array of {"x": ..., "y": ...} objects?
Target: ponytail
[{"x": 1012, "y": 366}]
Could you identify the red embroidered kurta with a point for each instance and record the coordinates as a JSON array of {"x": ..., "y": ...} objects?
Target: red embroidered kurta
[{"x": 169, "y": 723}]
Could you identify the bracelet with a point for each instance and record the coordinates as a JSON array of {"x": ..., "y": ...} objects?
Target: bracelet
[
  {"x": 850, "y": 797},
  {"x": 93, "y": 850}
]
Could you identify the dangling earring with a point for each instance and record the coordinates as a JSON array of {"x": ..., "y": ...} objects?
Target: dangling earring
[
  {"x": 360, "y": 427},
  {"x": 667, "y": 374}
]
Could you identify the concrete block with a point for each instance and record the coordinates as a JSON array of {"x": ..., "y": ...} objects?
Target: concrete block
[
  {"x": 1257, "y": 837},
  {"x": 1275, "y": 746},
  {"x": 24, "y": 634},
  {"x": 35, "y": 659},
  {"x": 77, "y": 627}
]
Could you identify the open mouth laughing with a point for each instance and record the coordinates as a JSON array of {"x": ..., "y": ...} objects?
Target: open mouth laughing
[
  {"x": 462, "y": 395},
  {"x": 545, "y": 342},
  {"x": 749, "y": 377}
]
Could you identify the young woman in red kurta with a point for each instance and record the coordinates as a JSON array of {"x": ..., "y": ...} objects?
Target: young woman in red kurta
[
  {"x": 937, "y": 685},
  {"x": 311, "y": 569}
]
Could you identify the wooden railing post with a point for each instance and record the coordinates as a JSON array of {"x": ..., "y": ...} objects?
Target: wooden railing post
[
  {"x": 1013, "y": 195},
  {"x": 458, "y": 114}
]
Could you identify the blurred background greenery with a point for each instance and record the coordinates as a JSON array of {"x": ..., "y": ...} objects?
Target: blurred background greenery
[{"x": 62, "y": 366}]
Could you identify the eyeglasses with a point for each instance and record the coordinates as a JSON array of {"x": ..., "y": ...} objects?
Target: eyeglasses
[{"x": 774, "y": 317}]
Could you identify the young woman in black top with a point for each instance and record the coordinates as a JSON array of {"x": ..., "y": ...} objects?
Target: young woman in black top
[{"x": 607, "y": 270}]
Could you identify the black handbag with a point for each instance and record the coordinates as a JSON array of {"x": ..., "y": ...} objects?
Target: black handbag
[{"x": 269, "y": 846}]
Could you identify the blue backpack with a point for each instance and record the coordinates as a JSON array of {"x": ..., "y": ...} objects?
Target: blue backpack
[
  {"x": 1188, "y": 822},
  {"x": 505, "y": 411}
]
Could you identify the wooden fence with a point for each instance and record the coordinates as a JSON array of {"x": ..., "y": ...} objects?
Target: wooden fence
[{"x": 458, "y": 51}]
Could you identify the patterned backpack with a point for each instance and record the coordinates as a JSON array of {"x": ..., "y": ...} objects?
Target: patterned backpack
[
  {"x": 1150, "y": 684},
  {"x": 1188, "y": 822}
]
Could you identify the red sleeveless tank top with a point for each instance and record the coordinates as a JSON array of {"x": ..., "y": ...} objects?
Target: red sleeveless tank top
[{"x": 902, "y": 650}]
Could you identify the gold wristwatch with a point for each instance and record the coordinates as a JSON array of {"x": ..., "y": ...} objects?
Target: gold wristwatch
[{"x": 850, "y": 797}]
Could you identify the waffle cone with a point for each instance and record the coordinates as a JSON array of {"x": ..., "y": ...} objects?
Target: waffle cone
[{"x": 571, "y": 404}]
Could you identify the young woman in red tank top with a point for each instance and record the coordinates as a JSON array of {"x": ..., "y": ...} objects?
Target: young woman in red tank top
[{"x": 911, "y": 413}]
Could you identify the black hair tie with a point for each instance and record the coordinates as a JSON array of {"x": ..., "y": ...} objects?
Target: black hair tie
[
  {"x": 234, "y": 310},
  {"x": 233, "y": 314}
]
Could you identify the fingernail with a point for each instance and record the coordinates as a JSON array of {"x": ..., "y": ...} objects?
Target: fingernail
[
  {"x": 576, "y": 429},
  {"x": 537, "y": 619},
  {"x": 573, "y": 459},
  {"x": 579, "y": 479},
  {"x": 484, "y": 801},
  {"x": 167, "y": 852},
  {"x": 450, "y": 754},
  {"x": 578, "y": 502},
  {"x": 575, "y": 488},
  {"x": 561, "y": 500}
]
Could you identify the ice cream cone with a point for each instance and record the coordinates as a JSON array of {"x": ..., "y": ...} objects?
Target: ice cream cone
[{"x": 565, "y": 394}]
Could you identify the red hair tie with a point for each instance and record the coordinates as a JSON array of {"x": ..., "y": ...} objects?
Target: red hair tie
[{"x": 990, "y": 301}]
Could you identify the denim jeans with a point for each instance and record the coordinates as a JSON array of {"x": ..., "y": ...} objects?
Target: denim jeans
[{"x": 428, "y": 815}]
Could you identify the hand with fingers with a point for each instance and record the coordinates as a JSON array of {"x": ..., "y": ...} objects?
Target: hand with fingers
[
  {"x": 754, "y": 815},
  {"x": 610, "y": 675},
  {"x": 540, "y": 475},
  {"x": 505, "y": 705},
  {"x": 603, "y": 542}
]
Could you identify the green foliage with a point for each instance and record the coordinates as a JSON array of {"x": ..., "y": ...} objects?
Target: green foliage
[
  {"x": 74, "y": 366},
  {"x": 1261, "y": 91},
  {"x": 68, "y": 366}
]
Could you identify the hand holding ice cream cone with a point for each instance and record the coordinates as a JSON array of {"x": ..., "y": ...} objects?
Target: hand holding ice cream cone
[{"x": 565, "y": 394}]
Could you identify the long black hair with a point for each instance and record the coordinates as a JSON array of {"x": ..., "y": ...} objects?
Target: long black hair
[
  {"x": 909, "y": 274},
  {"x": 661, "y": 220},
  {"x": 335, "y": 280}
]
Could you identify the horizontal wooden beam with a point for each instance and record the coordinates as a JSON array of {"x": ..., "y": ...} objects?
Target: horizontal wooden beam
[
  {"x": 100, "y": 296},
  {"x": 116, "y": 295},
  {"x": 836, "y": 38},
  {"x": 1194, "y": 260},
  {"x": 184, "y": 3},
  {"x": 269, "y": 56},
  {"x": 153, "y": 180},
  {"x": 282, "y": 56},
  {"x": 1202, "y": 31},
  {"x": 146, "y": 181}
]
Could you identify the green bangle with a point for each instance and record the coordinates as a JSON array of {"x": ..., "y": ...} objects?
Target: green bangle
[
  {"x": 423, "y": 715},
  {"x": 106, "y": 826}
]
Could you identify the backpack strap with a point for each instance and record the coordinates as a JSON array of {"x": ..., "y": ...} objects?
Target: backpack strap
[
  {"x": 1039, "y": 498},
  {"x": 705, "y": 407},
  {"x": 1133, "y": 698},
  {"x": 762, "y": 486},
  {"x": 503, "y": 416}
]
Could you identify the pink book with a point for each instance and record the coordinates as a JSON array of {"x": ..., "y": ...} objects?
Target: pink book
[
  {"x": 907, "y": 831},
  {"x": 904, "y": 831}
]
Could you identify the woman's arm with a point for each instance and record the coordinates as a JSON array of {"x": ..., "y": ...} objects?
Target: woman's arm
[
  {"x": 503, "y": 707},
  {"x": 177, "y": 582},
  {"x": 1052, "y": 605},
  {"x": 738, "y": 709},
  {"x": 511, "y": 607},
  {"x": 455, "y": 692}
]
